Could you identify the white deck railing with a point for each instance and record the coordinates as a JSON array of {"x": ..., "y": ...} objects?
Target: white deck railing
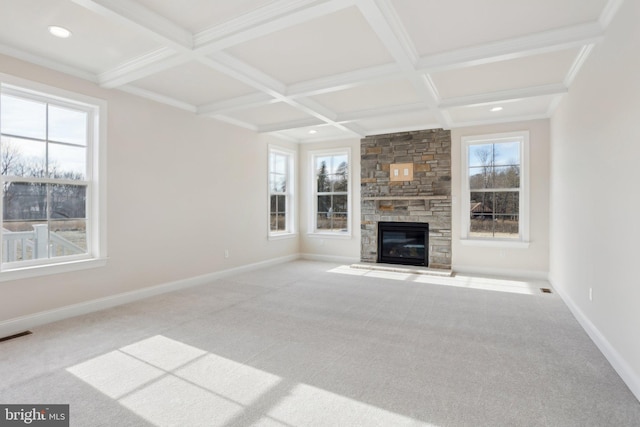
[{"x": 36, "y": 244}]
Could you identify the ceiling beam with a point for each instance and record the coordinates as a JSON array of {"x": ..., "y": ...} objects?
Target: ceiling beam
[
  {"x": 512, "y": 119},
  {"x": 245, "y": 29},
  {"x": 163, "y": 99},
  {"x": 253, "y": 100},
  {"x": 386, "y": 23},
  {"x": 609, "y": 12},
  {"x": 293, "y": 124},
  {"x": 345, "y": 81},
  {"x": 578, "y": 62},
  {"x": 142, "y": 19},
  {"x": 382, "y": 112},
  {"x": 519, "y": 47},
  {"x": 504, "y": 95},
  {"x": 239, "y": 70},
  {"x": 142, "y": 66},
  {"x": 249, "y": 20}
]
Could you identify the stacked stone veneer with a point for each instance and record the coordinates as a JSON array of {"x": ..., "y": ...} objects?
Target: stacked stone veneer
[{"x": 427, "y": 198}]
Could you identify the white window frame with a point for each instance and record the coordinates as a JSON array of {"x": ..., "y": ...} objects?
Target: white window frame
[
  {"x": 522, "y": 241},
  {"x": 96, "y": 205},
  {"x": 313, "y": 206},
  {"x": 290, "y": 213}
]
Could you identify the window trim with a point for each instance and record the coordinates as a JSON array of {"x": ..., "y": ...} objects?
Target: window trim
[
  {"x": 313, "y": 204},
  {"x": 96, "y": 180},
  {"x": 290, "y": 214},
  {"x": 523, "y": 239}
]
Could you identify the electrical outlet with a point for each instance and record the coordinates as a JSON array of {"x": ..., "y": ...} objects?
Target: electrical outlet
[{"x": 226, "y": 253}]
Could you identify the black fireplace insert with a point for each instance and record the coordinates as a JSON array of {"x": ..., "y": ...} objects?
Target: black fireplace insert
[{"x": 403, "y": 243}]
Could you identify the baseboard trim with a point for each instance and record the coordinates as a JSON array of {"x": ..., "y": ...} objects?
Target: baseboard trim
[
  {"x": 330, "y": 258},
  {"x": 22, "y": 323},
  {"x": 503, "y": 272},
  {"x": 619, "y": 364}
]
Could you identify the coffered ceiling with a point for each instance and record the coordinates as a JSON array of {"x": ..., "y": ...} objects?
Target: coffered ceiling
[{"x": 309, "y": 70}]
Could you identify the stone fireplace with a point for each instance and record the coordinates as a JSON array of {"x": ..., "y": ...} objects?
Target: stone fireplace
[{"x": 406, "y": 178}]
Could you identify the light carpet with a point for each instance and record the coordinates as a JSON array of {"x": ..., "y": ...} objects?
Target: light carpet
[{"x": 319, "y": 344}]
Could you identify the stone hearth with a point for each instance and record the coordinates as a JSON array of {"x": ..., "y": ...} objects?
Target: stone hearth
[{"x": 425, "y": 198}]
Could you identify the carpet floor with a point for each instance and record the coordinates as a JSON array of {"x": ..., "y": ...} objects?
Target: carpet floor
[{"x": 319, "y": 344}]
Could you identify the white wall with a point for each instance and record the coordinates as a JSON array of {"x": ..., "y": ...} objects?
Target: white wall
[
  {"x": 595, "y": 201},
  {"x": 181, "y": 190},
  {"x": 321, "y": 247},
  {"x": 526, "y": 262}
]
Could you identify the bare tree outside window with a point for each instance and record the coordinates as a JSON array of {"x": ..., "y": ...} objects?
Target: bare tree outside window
[
  {"x": 43, "y": 162},
  {"x": 494, "y": 184}
]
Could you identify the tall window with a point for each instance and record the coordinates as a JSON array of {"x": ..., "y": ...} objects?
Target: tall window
[
  {"x": 331, "y": 192},
  {"x": 495, "y": 187},
  {"x": 49, "y": 179},
  {"x": 281, "y": 185}
]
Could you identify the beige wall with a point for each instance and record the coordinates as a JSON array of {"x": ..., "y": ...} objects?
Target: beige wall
[
  {"x": 181, "y": 190},
  {"x": 594, "y": 195},
  {"x": 534, "y": 260},
  {"x": 322, "y": 247}
]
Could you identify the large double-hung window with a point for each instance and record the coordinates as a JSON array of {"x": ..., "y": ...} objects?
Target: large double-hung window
[
  {"x": 331, "y": 192},
  {"x": 50, "y": 166},
  {"x": 281, "y": 192},
  {"x": 495, "y": 188}
]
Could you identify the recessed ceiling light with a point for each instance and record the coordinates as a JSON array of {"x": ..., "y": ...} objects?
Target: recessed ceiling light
[
  {"x": 61, "y": 32},
  {"x": 496, "y": 109},
  {"x": 312, "y": 131}
]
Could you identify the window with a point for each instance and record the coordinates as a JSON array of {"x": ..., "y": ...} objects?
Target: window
[
  {"x": 281, "y": 190},
  {"x": 331, "y": 192},
  {"x": 495, "y": 187},
  {"x": 51, "y": 198}
]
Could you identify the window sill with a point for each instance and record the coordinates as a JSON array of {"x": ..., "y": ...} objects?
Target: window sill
[
  {"x": 48, "y": 269},
  {"x": 495, "y": 243},
  {"x": 282, "y": 236},
  {"x": 329, "y": 235}
]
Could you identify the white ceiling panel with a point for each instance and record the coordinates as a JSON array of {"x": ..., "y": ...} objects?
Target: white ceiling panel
[
  {"x": 315, "y": 133},
  {"x": 335, "y": 43},
  {"x": 408, "y": 121},
  {"x": 438, "y": 26},
  {"x": 97, "y": 44},
  {"x": 269, "y": 114},
  {"x": 531, "y": 107},
  {"x": 530, "y": 71},
  {"x": 198, "y": 15},
  {"x": 370, "y": 96},
  {"x": 195, "y": 84},
  {"x": 341, "y": 67}
]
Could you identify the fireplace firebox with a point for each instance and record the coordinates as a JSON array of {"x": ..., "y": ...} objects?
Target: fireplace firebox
[{"x": 403, "y": 243}]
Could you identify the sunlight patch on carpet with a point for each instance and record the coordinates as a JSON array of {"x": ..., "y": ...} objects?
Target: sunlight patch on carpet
[
  {"x": 170, "y": 383},
  {"x": 521, "y": 287}
]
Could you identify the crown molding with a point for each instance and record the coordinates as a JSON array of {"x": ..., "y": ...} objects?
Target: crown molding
[
  {"x": 609, "y": 12},
  {"x": 577, "y": 64},
  {"x": 511, "y": 119},
  {"x": 47, "y": 63}
]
